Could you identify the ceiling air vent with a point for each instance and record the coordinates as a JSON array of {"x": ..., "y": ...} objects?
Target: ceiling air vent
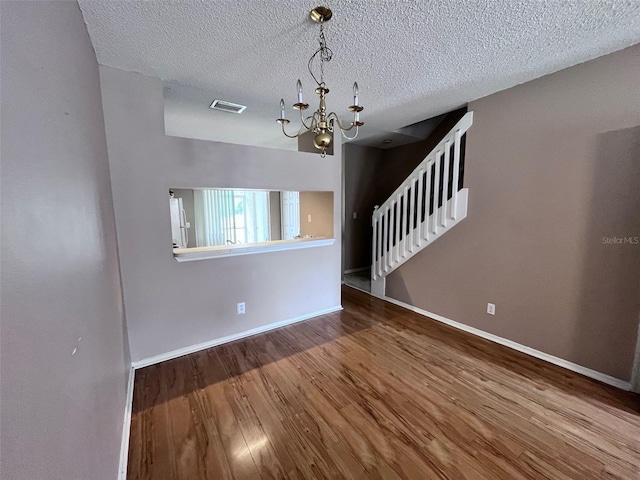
[{"x": 227, "y": 106}]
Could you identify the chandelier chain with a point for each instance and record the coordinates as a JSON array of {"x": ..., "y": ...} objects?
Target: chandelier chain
[{"x": 325, "y": 56}]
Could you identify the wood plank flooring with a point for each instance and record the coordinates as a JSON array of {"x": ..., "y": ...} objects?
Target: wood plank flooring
[{"x": 379, "y": 392}]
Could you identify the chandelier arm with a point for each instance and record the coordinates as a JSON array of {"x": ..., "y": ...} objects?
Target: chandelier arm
[
  {"x": 292, "y": 136},
  {"x": 304, "y": 120},
  {"x": 333, "y": 116},
  {"x": 313, "y": 121},
  {"x": 287, "y": 135},
  {"x": 350, "y": 138}
]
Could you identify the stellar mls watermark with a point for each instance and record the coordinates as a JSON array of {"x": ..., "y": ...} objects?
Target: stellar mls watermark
[{"x": 620, "y": 240}]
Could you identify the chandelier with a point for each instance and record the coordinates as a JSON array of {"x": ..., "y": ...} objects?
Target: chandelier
[{"x": 321, "y": 123}]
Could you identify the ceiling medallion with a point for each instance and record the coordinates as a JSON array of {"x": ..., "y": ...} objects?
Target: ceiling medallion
[{"x": 321, "y": 123}]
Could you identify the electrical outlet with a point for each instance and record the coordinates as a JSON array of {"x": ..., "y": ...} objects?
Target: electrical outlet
[
  {"x": 241, "y": 308},
  {"x": 491, "y": 309},
  {"x": 309, "y": 218},
  {"x": 355, "y": 215}
]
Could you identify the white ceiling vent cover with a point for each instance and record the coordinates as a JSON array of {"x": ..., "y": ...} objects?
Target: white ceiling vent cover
[{"x": 227, "y": 106}]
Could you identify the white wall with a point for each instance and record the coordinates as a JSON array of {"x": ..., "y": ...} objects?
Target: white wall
[
  {"x": 173, "y": 305},
  {"x": 62, "y": 398}
]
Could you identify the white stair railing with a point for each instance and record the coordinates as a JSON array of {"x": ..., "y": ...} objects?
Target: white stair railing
[{"x": 424, "y": 207}]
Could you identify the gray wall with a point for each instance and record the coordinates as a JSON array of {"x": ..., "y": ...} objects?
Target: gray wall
[
  {"x": 173, "y": 305},
  {"x": 552, "y": 166},
  {"x": 320, "y": 206},
  {"x": 62, "y": 413}
]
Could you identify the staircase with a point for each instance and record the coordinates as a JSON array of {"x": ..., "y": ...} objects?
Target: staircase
[{"x": 429, "y": 203}]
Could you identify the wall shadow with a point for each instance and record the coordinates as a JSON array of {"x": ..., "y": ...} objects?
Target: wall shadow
[
  {"x": 359, "y": 196},
  {"x": 609, "y": 295}
]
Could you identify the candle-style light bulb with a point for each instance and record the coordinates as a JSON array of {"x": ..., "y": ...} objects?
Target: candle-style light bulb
[
  {"x": 299, "y": 87},
  {"x": 355, "y": 93},
  {"x": 282, "y": 108}
]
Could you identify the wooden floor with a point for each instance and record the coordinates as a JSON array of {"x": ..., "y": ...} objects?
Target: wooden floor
[{"x": 377, "y": 392}]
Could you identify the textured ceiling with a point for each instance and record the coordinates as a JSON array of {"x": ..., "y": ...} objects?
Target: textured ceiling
[{"x": 412, "y": 60}]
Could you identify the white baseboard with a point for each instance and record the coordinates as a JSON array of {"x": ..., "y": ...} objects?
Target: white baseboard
[
  {"x": 126, "y": 427},
  {"x": 587, "y": 372},
  {"x": 230, "y": 338},
  {"x": 356, "y": 270}
]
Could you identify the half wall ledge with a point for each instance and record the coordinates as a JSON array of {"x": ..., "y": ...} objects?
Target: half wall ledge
[{"x": 205, "y": 253}]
